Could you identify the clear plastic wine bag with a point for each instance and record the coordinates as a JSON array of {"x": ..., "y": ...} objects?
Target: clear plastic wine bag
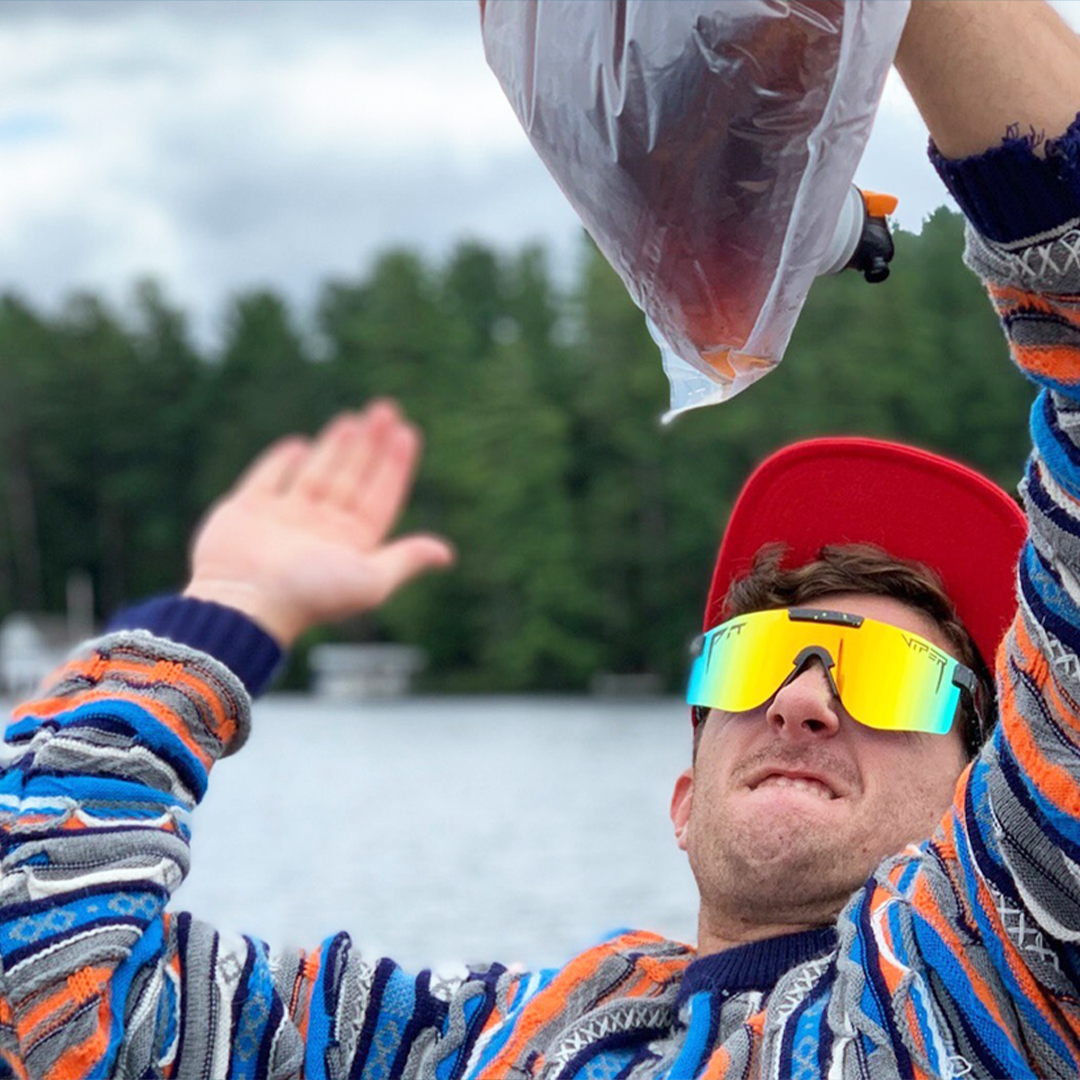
[{"x": 708, "y": 147}]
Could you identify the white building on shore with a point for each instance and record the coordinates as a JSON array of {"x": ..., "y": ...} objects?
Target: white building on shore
[
  {"x": 356, "y": 672},
  {"x": 32, "y": 644}
]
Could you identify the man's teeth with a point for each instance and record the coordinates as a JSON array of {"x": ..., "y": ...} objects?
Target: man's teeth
[{"x": 815, "y": 787}]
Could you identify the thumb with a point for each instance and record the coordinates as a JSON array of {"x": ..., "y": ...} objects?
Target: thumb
[{"x": 402, "y": 560}]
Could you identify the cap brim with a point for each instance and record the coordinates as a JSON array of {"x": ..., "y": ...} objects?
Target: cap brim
[{"x": 914, "y": 504}]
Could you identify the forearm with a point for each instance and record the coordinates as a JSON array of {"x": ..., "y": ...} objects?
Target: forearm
[{"x": 977, "y": 68}]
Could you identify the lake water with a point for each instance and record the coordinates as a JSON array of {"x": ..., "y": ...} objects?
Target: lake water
[{"x": 447, "y": 829}]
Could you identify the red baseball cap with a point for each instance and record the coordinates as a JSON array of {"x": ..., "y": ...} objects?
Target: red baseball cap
[{"x": 914, "y": 504}]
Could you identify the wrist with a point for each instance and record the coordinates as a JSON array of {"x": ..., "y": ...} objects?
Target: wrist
[
  {"x": 228, "y": 635},
  {"x": 282, "y": 625}
]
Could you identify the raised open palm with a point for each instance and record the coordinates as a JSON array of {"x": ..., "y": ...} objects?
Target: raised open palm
[{"x": 302, "y": 537}]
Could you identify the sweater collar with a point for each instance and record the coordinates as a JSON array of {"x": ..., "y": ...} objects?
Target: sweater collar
[{"x": 756, "y": 966}]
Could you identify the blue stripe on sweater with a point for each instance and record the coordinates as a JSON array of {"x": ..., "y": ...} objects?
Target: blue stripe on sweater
[
  {"x": 876, "y": 999},
  {"x": 320, "y": 1016},
  {"x": 142, "y": 724},
  {"x": 995, "y": 1051},
  {"x": 1044, "y": 503},
  {"x": 273, "y": 1031},
  {"x": 145, "y": 951},
  {"x": 1055, "y": 447},
  {"x": 100, "y": 797},
  {"x": 1051, "y": 606},
  {"x": 1047, "y": 586},
  {"x": 254, "y": 998},
  {"x": 979, "y": 826},
  {"x": 395, "y": 1005},
  {"x": 452, "y": 1064},
  {"x": 917, "y": 988},
  {"x": 60, "y": 931},
  {"x": 804, "y": 1048},
  {"x": 696, "y": 1045}
]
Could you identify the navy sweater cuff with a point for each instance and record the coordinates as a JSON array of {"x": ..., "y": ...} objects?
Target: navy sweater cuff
[
  {"x": 228, "y": 636},
  {"x": 1009, "y": 193}
]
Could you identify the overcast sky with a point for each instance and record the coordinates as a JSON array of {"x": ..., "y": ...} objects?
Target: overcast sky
[{"x": 221, "y": 145}]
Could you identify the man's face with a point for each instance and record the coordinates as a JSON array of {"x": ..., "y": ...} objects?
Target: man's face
[{"x": 789, "y": 807}]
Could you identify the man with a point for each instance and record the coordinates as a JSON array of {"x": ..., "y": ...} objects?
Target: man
[
  {"x": 957, "y": 957},
  {"x": 848, "y": 693}
]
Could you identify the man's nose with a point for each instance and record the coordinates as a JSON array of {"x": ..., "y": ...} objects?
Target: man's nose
[{"x": 806, "y": 707}]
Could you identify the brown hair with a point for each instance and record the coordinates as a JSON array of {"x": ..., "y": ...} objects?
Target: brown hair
[{"x": 863, "y": 568}]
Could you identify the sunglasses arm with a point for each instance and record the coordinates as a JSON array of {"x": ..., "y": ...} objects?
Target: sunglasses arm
[{"x": 965, "y": 678}]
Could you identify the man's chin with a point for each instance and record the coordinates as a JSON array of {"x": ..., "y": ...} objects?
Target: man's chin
[
  {"x": 778, "y": 852},
  {"x": 808, "y": 882},
  {"x": 790, "y": 847}
]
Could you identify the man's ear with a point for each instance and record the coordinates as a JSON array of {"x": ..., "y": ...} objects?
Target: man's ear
[{"x": 681, "y": 799}]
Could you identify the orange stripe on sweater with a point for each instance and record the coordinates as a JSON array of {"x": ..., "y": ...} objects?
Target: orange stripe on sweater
[
  {"x": 7, "y": 1020},
  {"x": 1008, "y": 294},
  {"x": 90, "y": 668},
  {"x": 652, "y": 974},
  {"x": 169, "y": 672},
  {"x": 1058, "y": 362},
  {"x": 50, "y": 707},
  {"x": 551, "y": 1001},
  {"x": 1031, "y": 660},
  {"x": 310, "y": 968},
  {"x": 718, "y": 1064},
  {"x": 78, "y": 1060},
  {"x": 1054, "y": 783},
  {"x": 79, "y": 987},
  {"x": 1037, "y": 668},
  {"x": 915, "y": 1032},
  {"x": 173, "y": 673}
]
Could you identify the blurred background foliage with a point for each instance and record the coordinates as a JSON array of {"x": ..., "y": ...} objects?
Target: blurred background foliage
[{"x": 586, "y": 532}]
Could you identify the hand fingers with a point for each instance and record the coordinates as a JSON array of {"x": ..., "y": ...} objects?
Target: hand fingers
[
  {"x": 380, "y": 498},
  {"x": 404, "y": 559},
  {"x": 362, "y": 452},
  {"x": 271, "y": 471},
  {"x": 315, "y": 477},
  {"x": 343, "y": 452}
]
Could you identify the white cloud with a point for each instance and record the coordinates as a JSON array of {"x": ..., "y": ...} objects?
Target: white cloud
[{"x": 220, "y": 145}]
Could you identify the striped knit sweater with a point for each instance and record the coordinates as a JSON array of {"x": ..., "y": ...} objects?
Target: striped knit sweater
[{"x": 958, "y": 958}]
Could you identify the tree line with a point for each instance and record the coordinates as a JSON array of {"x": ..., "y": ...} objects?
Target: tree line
[{"x": 586, "y": 532}]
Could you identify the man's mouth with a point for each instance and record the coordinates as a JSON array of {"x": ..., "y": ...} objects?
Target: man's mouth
[{"x": 813, "y": 785}]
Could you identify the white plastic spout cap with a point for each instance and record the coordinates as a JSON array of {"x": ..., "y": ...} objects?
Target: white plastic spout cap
[{"x": 848, "y": 233}]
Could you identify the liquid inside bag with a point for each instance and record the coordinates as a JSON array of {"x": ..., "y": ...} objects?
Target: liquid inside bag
[{"x": 707, "y": 146}]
